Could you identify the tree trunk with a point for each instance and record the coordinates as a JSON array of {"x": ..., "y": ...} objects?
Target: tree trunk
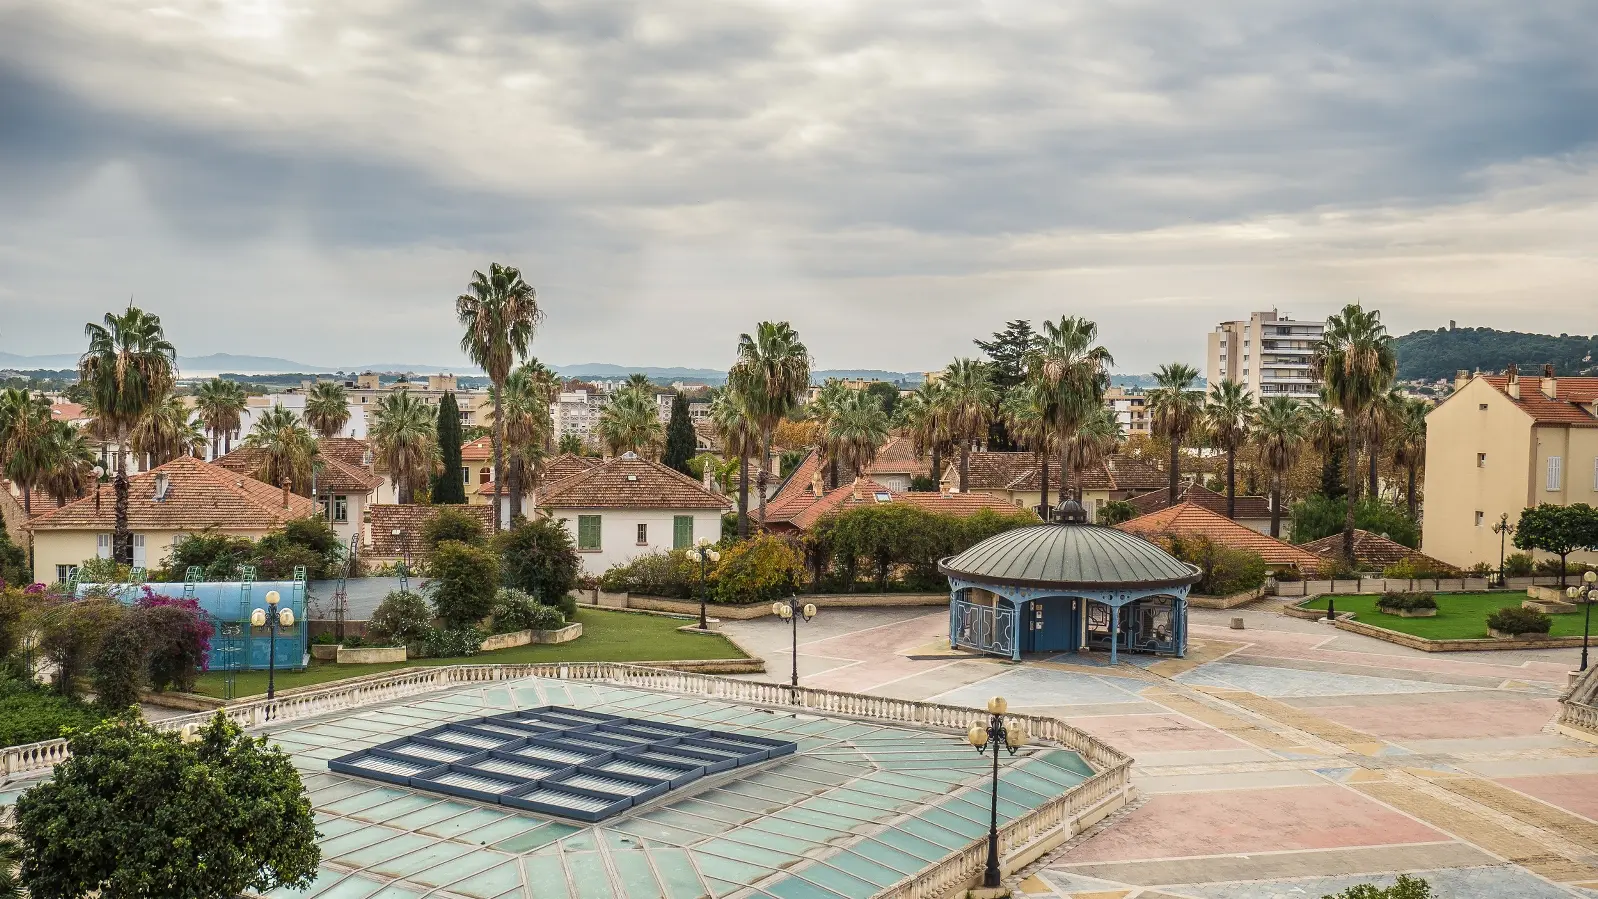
[
  {"x": 27, "y": 501},
  {"x": 1171, "y": 476},
  {"x": 965, "y": 463},
  {"x": 227, "y": 442},
  {"x": 937, "y": 468},
  {"x": 1562, "y": 567},
  {"x": 1043, "y": 485},
  {"x": 1373, "y": 490},
  {"x": 764, "y": 478},
  {"x": 743, "y": 495},
  {"x": 515, "y": 485},
  {"x": 121, "y": 537},
  {"x": 1409, "y": 492},
  {"x": 1066, "y": 491},
  {"x": 832, "y": 474},
  {"x": 1353, "y": 497},
  {"x": 1276, "y": 506},
  {"x": 1231, "y": 482},
  {"x": 216, "y": 444},
  {"x": 499, "y": 451}
]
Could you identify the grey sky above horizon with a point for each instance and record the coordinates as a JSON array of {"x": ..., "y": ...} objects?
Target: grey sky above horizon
[{"x": 317, "y": 181}]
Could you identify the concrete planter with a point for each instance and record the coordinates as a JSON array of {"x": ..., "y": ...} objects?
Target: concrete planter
[
  {"x": 506, "y": 641},
  {"x": 1525, "y": 638},
  {"x": 610, "y": 600},
  {"x": 1546, "y": 594},
  {"x": 1549, "y": 606},
  {"x": 560, "y": 635},
  {"x": 325, "y": 652},
  {"x": 1225, "y": 602},
  {"x": 1408, "y": 613},
  {"x": 370, "y": 655}
]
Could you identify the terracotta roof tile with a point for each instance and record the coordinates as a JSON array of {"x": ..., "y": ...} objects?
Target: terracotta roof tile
[
  {"x": 1020, "y": 471},
  {"x": 333, "y": 475},
  {"x": 1374, "y": 550},
  {"x": 1566, "y": 409},
  {"x": 1250, "y": 507},
  {"x": 898, "y": 456},
  {"x": 555, "y": 470},
  {"x": 64, "y": 411},
  {"x": 628, "y": 482},
  {"x": 199, "y": 496},
  {"x": 410, "y": 521},
  {"x": 798, "y": 480},
  {"x": 1188, "y": 518},
  {"x": 479, "y": 450},
  {"x": 349, "y": 450},
  {"x": 961, "y": 504},
  {"x": 802, "y": 508}
]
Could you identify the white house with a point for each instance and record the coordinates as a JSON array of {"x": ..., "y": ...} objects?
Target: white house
[
  {"x": 342, "y": 481},
  {"x": 626, "y": 507}
]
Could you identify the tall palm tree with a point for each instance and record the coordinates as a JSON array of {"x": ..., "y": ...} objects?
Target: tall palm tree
[
  {"x": 404, "y": 434},
  {"x": 1072, "y": 375},
  {"x": 1025, "y": 408},
  {"x": 1381, "y": 419},
  {"x": 167, "y": 430},
  {"x": 638, "y": 381},
  {"x": 969, "y": 399},
  {"x": 327, "y": 408},
  {"x": 1357, "y": 364},
  {"x": 72, "y": 462},
  {"x": 221, "y": 405},
  {"x": 1280, "y": 430},
  {"x": 924, "y": 414},
  {"x": 544, "y": 383},
  {"x": 25, "y": 440},
  {"x": 527, "y": 429},
  {"x": 500, "y": 313},
  {"x": 729, "y": 412},
  {"x": 128, "y": 367},
  {"x": 288, "y": 450},
  {"x": 773, "y": 367},
  {"x": 630, "y": 422},
  {"x": 821, "y": 410},
  {"x": 1227, "y": 415},
  {"x": 858, "y": 429},
  {"x": 1176, "y": 409},
  {"x": 1409, "y": 445},
  {"x": 1093, "y": 441}
]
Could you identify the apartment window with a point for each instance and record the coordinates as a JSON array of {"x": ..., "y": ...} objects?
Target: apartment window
[
  {"x": 1478, "y": 519},
  {"x": 682, "y": 531},
  {"x": 1482, "y": 407},
  {"x": 588, "y": 533},
  {"x": 466, "y": 476},
  {"x": 138, "y": 550},
  {"x": 466, "y": 418},
  {"x": 341, "y": 509},
  {"x": 1555, "y": 474},
  {"x": 643, "y": 535},
  {"x": 485, "y": 475},
  {"x": 1481, "y": 460}
]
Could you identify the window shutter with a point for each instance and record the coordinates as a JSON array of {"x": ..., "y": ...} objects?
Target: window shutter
[
  {"x": 1595, "y": 474},
  {"x": 1554, "y": 463},
  {"x": 588, "y": 532},
  {"x": 682, "y": 531}
]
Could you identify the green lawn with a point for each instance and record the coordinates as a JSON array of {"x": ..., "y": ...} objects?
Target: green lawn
[
  {"x": 607, "y": 637},
  {"x": 1460, "y": 616}
]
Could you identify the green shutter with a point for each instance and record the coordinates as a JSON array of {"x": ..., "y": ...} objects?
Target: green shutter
[
  {"x": 588, "y": 532},
  {"x": 682, "y": 531}
]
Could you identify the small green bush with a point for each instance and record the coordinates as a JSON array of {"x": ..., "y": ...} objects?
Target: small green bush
[
  {"x": 515, "y": 610},
  {"x": 103, "y": 571},
  {"x": 1405, "y": 887},
  {"x": 1518, "y": 620},
  {"x": 324, "y": 640},
  {"x": 402, "y": 617},
  {"x": 453, "y": 523},
  {"x": 758, "y": 570},
  {"x": 1115, "y": 512},
  {"x": 1481, "y": 569},
  {"x": 667, "y": 573},
  {"x": 29, "y": 713},
  {"x": 1225, "y": 570},
  {"x": 1289, "y": 576},
  {"x": 452, "y": 643},
  {"x": 539, "y": 557},
  {"x": 1518, "y": 565},
  {"x": 464, "y": 581},
  {"x": 1415, "y": 569},
  {"x": 1397, "y": 601}
]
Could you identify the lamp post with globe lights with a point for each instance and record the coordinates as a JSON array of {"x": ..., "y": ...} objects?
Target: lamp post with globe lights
[
  {"x": 788, "y": 612},
  {"x": 995, "y": 735},
  {"x": 272, "y": 618},
  {"x": 705, "y": 554},
  {"x": 1586, "y": 594},
  {"x": 1503, "y": 529}
]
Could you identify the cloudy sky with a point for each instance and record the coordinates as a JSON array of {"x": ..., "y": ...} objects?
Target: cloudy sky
[{"x": 317, "y": 180}]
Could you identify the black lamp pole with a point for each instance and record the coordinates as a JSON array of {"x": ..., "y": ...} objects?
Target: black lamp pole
[
  {"x": 994, "y": 736},
  {"x": 793, "y": 613},
  {"x": 271, "y": 646},
  {"x": 1586, "y": 594},
  {"x": 704, "y": 566},
  {"x": 1503, "y": 527}
]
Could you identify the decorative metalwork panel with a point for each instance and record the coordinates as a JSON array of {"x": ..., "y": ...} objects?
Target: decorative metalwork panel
[
  {"x": 980, "y": 627},
  {"x": 558, "y": 761}
]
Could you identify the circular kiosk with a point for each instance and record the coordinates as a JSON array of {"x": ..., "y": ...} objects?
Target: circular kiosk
[{"x": 1066, "y": 585}]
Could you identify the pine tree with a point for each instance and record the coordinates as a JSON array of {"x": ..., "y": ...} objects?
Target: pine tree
[
  {"x": 680, "y": 441},
  {"x": 448, "y": 487}
]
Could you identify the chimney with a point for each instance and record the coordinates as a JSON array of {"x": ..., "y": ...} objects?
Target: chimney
[
  {"x": 1550, "y": 383},
  {"x": 1461, "y": 378},
  {"x": 1513, "y": 387},
  {"x": 286, "y": 484}
]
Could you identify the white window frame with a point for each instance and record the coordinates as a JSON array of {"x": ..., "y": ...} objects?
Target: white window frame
[
  {"x": 139, "y": 558},
  {"x": 340, "y": 509},
  {"x": 1555, "y": 481},
  {"x": 643, "y": 534},
  {"x": 102, "y": 546},
  {"x": 1479, "y": 517},
  {"x": 63, "y": 573}
]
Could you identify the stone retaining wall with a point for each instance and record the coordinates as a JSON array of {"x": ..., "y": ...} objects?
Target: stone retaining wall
[
  {"x": 1225, "y": 602},
  {"x": 643, "y": 602},
  {"x": 1485, "y": 644}
]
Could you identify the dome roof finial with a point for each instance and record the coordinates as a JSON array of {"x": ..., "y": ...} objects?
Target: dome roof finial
[{"x": 1069, "y": 511}]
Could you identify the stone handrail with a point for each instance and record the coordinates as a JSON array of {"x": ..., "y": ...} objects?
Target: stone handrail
[
  {"x": 954, "y": 872},
  {"x": 1578, "y": 708}
]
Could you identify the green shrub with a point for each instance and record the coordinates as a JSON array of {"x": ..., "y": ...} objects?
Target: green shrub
[
  {"x": 515, "y": 610},
  {"x": 1413, "y": 569},
  {"x": 356, "y": 641},
  {"x": 758, "y": 570},
  {"x": 402, "y": 617},
  {"x": 1318, "y": 516},
  {"x": 1225, "y": 570},
  {"x": 70, "y": 634},
  {"x": 663, "y": 573},
  {"x": 118, "y": 667},
  {"x": 14, "y": 569},
  {"x": 463, "y": 582},
  {"x": 324, "y": 640},
  {"x": 1115, "y": 512},
  {"x": 453, "y": 523},
  {"x": 1289, "y": 576},
  {"x": 103, "y": 571},
  {"x": 1518, "y": 620},
  {"x": 1481, "y": 569},
  {"x": 539, "y": 557},
  {"x": 217, "y": 555},
  {"x": 1397, "y": 601},
  {"x": 452, "y": 643},
  {"x": 1518, "y": 565},
  {"x": 29, "y": 713},
  {"x": 1405, "y": 887}
]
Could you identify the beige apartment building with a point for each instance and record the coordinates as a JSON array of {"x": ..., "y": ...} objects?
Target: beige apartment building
[
  {"x": 1268, "y": 352},
  {"x": 1130, "y": 406},
  {"x": 1499, "y": 444}
]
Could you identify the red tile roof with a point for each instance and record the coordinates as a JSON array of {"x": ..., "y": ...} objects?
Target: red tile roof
[
  {"x": 332, "y": 474},
  {"x": 479, "y": 450},
  {"x": 1376, "y": 551},
  {"x": 801, "y": 508},
  {"x": 961, "y": 504},
  {"x": 1566, "y": 409},
  {"x": 1189, "y": 518},
  {"x": 1020, "y": 471},
  {"x": 349, "y": 450},
  {"x": 1251, "y": 507},
  {"x": 555, "y": 470},
  {"x": 199, "y": 495},
  {"x": 628, "y": 482},
  {"x": 410, "y": 521},
  {"x": 898, "y": 456},
  {"x": 798, "y": 480},
  {"x": 64, "y": 411}
]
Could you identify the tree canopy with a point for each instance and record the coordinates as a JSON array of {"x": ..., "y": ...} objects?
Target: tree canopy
[
  {"x": 1437, "y": 355},
  {"x": 1560, "y": 530}
]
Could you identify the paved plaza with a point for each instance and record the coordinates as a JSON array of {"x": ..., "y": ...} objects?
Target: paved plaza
[{"x": 1287, "y": 759}]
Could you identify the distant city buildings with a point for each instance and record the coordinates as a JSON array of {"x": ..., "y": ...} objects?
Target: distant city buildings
[
  {"x": 1130, "y": 405},
  {"x": 1268, "y": 353}
]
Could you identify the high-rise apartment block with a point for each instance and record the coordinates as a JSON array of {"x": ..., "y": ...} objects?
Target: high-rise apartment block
[{"x": 1269, "y": 353}]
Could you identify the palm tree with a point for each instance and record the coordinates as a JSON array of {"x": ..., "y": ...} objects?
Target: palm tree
[
  {"x": 1380, "y": 420},
  {"x": 500, "y": 312},
  {"x": 1176, "y": 409},
  {"x": 1026, "y": 417},
  {"x": 404, "y": 434},
  {"x": 72, "y": 463},
  {"x": 527, "y": 428},
  {"x": 1357, "y": 364},
  {"x": 821, "y": 410},
  {"x": 924, "y": 414},
  {"x": 638, "y": 381},
  {"x": 1071, "y": 374},
  {"x": 969, "y": 398},
  {"x": 630, "y": 422},
  {"x": 221, "y": 405},
  {"x": 857, "y": 430},
  {"x": 772, "y": 367},
  {"x": 1409, "y": 444},
  {"x": 128, "y": 367},
  {"x": 327, "y": 408},
  {"x": 1227, "y": 415},
  {"x": 165, "y": 432},
  {"x": 288, "y": 450},
  {"x": 729, "y": 412},
  {"x": 545, "y": 383},
  {"x": 1280, "y": 431},
  {"x": 1093, "y": 441},
  {"x": 25, "y": 440}
]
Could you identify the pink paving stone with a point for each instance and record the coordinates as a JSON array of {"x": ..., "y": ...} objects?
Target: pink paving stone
[
  {"x": 1178, "y": 825},
  {"x": 1572, "y": 792},
  {"x": 1155, "y": 733},
  {"x": 1423, "y": 720}
]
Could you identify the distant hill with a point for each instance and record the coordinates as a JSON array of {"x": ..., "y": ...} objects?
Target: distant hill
[{"x": 1439, "y": 354}]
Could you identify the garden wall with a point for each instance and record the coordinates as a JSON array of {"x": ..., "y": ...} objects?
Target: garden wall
[
  {"x": 1225, "y": 602},
  {"x": 645, "y": 603},
  {"x": 1425, "y": 645}
]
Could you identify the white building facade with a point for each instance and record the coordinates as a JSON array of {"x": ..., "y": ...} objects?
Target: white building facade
[{"x": 1269, "y": 353}]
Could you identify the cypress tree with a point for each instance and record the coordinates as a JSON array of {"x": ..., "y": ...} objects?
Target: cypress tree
[
  {"x": 448, "y": 487},
  {"x": 680, "y": 441}
]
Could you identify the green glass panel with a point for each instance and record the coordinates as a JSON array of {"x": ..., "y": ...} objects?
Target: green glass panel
[
  {"x": 1066, "y": 761},
  {"x": 341, "y": 790},
  {"x": 637, "y": 879},
  {"x": 324, "y": 880},
  {"x": 483, "y": 827},
  {"x": 1025, "y": 779},
  {"x": 774, "y": 795},
  {"x": 939, "y": 831},
  {"x": 864, "y": 868},
  {"x": 789, "y": 833},
  {"x": 396, "y": 808},
  {"x": 369, "y": 799},
  {"x": 620, "y": 840},
  {"x": 727, "y": 869},
  {"x": 474, "y": 861},
  {"x": 794, "y": 888},
  {"x": 750, "y": 804},
  {"x": 899, "y": 850},
  {"x": 581, "y": 841},
  {"x": 353, "y": 887},
  {"x": 336, "y": 827},
  {"x": 532, "y": 839},
  {"x": 420, "y": 860},
  {"x": 356, "y": 839},
  {"x": 546, "y": 876},
  {"x": 491, "y": 883},
  {"x": 652, "y": 829},
  {"x": 676, "y": 873},
  {"x": 745, "y": 851},
  {"x": 588, "y": 872},
  {"x": 720, "y": 818},
  {"x": 838, "y": 882},
  {"x": 427, "y": 818},
  {"x": 393, "y": 847}
]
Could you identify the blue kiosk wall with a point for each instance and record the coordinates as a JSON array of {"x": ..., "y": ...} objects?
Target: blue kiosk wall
[{"x": 227, "y": 605}]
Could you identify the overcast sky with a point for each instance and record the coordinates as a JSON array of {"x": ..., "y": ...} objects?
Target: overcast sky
[{"x": 317, "y": 180}]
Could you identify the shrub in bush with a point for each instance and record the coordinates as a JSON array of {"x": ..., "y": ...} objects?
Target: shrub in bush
[
  {"x": 667, "y": 573},
  {"x": 1413, "y": 569},
  {"x": 1225, "y": 570},
  {"x": 402, "y": 617},
  {"x": 1116, "y": 511},
  {"x": 463, "y": 582},
  {"x": 1517, "y": 565},
  {"x": 103, "y": 571},
  {"x": 1481, "y": 569},
  {"x": 760, "y": 569},
  {"x": 324, "y": 640},
  {"x": 515, "y": 610},
  {"x": 453, "y": 523},
  {"x": 1289, "y": 575},
  {"x": 14, "y": 569},
  {"x": 452, "y": 643},
  {"x": 217, "y": 555},
  {"x": 69, "y": 636},
  {"x": 539, "y": 557},
  {"x": 1517, "y": 620},
  {"x": 118, "y": 667},
  {"x": 1398, "y": 601},
  {"x": 29, "y": 713}
]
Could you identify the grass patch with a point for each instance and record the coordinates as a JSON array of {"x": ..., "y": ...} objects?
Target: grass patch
[
  {"x": 1460, "y": 616},
  {"x": 30, "y": 713},
  {"x": 607, "y": 637}
]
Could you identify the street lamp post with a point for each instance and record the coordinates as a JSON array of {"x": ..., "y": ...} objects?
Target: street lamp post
[
  {"x": 1586, "y": 594},
  {"x": 272, "y": 618},
  {"x": 787, "y": 612},
  {"x": 1502, "y": 528},
  {"x": 705, "y": 553},
  {"x": 996, "y": 735}
]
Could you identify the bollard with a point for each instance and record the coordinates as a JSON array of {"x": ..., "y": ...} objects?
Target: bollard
[{"x": 1237, "y": 623}]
